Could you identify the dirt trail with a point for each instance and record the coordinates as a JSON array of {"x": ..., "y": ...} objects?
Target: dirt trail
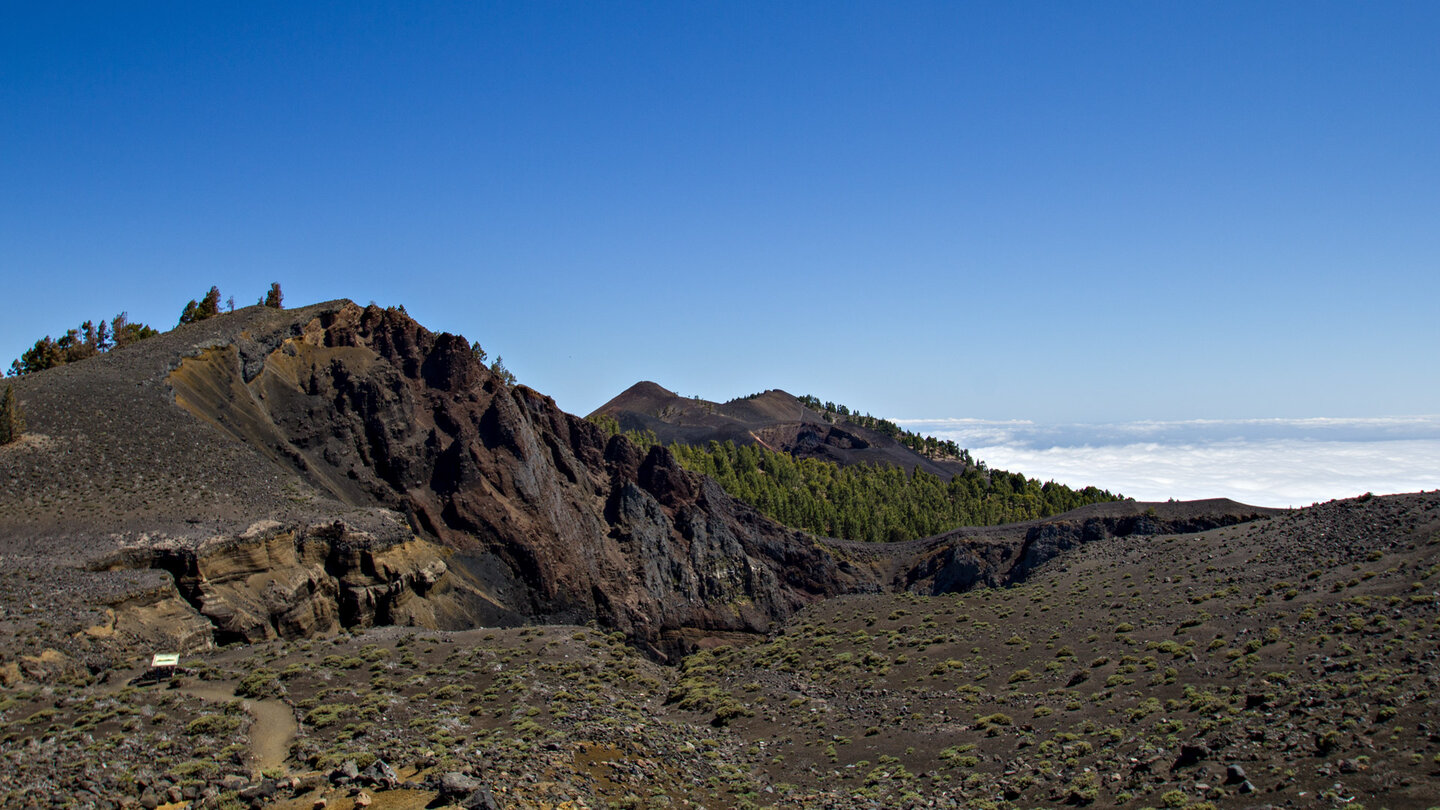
[{"x": 272, "y": 729}]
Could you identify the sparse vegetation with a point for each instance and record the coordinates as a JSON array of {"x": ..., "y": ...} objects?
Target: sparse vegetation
[
  {"x": 80, "y": 343},
  {"x": 208, "y": 307}
]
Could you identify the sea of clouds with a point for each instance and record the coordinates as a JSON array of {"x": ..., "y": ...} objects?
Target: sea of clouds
[{"x": 1265, "y": 462}]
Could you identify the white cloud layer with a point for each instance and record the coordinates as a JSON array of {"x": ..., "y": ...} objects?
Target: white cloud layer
[{"x": 1266, "y": 462}]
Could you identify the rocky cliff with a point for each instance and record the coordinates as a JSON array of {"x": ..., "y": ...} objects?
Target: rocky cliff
[
  {"x": 542, "y": 515},
  {"x": 267, "y": 473},
  {"x": 1005, "y": 555}
]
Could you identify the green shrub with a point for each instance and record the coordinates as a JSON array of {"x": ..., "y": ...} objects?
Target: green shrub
[
  {"x": 214, "y": 725},
  {"x": 261, "y": 684},
  {"x": 1174, "y": 798},
  {"x": 327, "y": 714}
]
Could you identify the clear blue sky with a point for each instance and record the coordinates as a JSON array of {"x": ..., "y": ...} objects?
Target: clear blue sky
[{"x": 1007, "y": 210}]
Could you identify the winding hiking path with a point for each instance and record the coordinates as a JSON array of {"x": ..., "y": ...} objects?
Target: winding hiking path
[{"x": 272, "y": 726}]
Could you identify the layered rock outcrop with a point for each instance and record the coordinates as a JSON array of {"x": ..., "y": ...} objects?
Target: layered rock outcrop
[
  {"x": 543, "y": 515},
  {"x": 295, "y": 581}
]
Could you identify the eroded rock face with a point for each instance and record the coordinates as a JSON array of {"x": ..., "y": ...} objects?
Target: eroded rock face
[
  {"x": 544, "y": 517},
  {"x": 1049, "y": 540},
  {"x": 959, "y": 564},
  {"x": 292, "y": 582}
]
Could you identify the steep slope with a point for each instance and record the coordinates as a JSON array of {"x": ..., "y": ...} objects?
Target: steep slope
[
  {"x": 269, "y": 460},
  {"x": 773, "y": 419},
  {"x": 269, "y": 473}
]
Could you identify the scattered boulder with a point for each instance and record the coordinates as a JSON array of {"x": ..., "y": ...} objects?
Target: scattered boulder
[
  {"x": 380, "y": 774},
  {"x": 481, "y": 799},
  {"x": 233, "y": 782},
  {"x": 1190, "y": 755},
  {"x": 345, "y": 774},
  {"x": 264, "y": 789},
  {"x": 466, "y": 791},
  {"x": 309, "y": 782},
  {"x": 455, "y": 786}
]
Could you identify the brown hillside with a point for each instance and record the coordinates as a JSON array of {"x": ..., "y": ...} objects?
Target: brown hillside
[
  {"x": 773, "y": 419},
  {"x": 336, "y": 465}
]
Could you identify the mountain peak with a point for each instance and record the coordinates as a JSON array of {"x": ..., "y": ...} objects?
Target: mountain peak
[
  {"x": 773, "y": 418},
  {"x": 387, "y": 469}
]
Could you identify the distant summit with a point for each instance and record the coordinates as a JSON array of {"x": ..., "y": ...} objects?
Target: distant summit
[
  {"x": 773, "y": 419},
  {"x": 826, "y": 469}
]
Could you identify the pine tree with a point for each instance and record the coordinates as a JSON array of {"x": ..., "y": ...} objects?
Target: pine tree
[
  {"x": 79, "y": 344},
  {"x": 12, "y": 421},
  {"x": 207, "y": 307},
  {"x": 210, "y": 306},
  {"x": 498, "y": 368},
  {"x": 46, "y": 353},
  {"x": 274, "y": 298},
  {"x": 122, "y": 332}
]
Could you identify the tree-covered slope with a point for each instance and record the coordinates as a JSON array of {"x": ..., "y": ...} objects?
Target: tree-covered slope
[
  {"x": 800, "y": 426},
  {"x": 875, "y": 502}
]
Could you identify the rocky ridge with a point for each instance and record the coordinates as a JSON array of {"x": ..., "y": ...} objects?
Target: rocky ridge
[
  {"x": 772, "y": 419},
  {"x": 342, "y": 466}
]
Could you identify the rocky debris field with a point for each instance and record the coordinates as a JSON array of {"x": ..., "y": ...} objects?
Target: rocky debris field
[
  {"x": 1288, "y": 662},
  {"x": 529, "y": 717}
]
